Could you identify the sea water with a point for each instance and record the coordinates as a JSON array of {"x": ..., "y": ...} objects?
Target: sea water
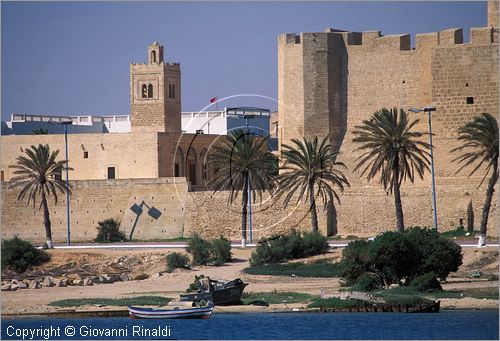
[{"x": 459, "y": 324}]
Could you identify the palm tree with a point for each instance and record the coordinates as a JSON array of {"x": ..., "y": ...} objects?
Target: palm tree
[
  {"x": 311, "y": 169},
  {"x": 243, "y": 160},
  {"x": 480, "y": 138},
  {"x": 38, "y": 173},
  {"x": 391, "y": 149}
]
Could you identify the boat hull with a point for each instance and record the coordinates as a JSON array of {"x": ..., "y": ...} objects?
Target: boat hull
[
  {"x": 192, "y": 313},
  {"x": 219, "y": 296}
]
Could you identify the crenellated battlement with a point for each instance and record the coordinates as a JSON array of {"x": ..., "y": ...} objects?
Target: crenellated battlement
[
  {"x": 162, "y": 63},
  {"x": 402, "y": 42}
]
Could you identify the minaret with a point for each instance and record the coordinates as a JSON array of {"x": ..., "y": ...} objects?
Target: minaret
[{"x": 155, "y": 94}]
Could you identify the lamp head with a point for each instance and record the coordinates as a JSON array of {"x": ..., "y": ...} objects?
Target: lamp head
[{"x": 415, "y": 110}]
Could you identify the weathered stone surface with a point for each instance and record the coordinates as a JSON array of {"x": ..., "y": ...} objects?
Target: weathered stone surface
[
  {"x": 48, "y": 281},
  {"x": 140, "y": 277},
  {"x": 124, "y": 277},
  {"x": 22, "y": 285}
]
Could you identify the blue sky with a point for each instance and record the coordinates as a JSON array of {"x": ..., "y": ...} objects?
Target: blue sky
[{"x": 73, "y": 57}]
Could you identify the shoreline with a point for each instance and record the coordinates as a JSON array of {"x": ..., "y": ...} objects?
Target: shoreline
[{"x": 123, "y": 312}]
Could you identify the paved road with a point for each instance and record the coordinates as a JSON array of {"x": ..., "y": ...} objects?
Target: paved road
[{"x": 181, "y": 245}]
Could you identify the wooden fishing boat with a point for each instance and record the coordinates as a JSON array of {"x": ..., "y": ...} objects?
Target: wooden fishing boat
[
  {"x": 175, "y": 313},
  {"x": 220, "y": 292}
]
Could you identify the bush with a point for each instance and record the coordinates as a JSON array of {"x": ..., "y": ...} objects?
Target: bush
[
  {"x": 426, "y": 282},
  {"x": 199, "y": 249},
  {"x": 109, "y": 231},
  {"x": 314, "y": 243},
  {"x": 177, "y": 260},
  {"x": 194, "y": 286},
  {"x": 366, "y": 282},
  {"x": 220, "y": 251},
  {"x": 396, "y": 257},
  {"x": 354, "y": 261},
  {"x": 294, "y": 245},
  {"x": 204, "y": 252},
  {"x": 19, "y": 255}
]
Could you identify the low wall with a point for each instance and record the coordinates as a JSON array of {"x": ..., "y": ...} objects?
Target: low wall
[
  {"x": 95, "y": 200},
  {"x": 364, "y": 211}
]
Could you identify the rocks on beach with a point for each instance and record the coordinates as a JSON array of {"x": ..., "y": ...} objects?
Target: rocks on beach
[{"x": 67, "y": 280}]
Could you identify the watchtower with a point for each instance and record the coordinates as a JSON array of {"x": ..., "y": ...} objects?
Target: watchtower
[{"x": 155, "y": 94}]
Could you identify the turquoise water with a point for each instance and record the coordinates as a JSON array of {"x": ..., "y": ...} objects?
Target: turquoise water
[{"x": 463, "y": 325}]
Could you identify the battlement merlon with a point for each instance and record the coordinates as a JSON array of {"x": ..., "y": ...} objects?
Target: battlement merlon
[
  {"x": 154, "y": 67},
  {"x": 402, "y": 42}
]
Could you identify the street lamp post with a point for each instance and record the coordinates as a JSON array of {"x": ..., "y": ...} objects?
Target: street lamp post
[
  {"x": 248, "y": 113},
  {"x": 65, "y": 124},
  {"x": 428, "y": 110}
]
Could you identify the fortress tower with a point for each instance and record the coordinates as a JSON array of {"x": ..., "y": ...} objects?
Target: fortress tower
[{"x": 155, "y": 94}]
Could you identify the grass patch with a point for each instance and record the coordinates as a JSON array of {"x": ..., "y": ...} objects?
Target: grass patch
[
  {"x": 299, "y": 269},
  {"x": 330, "y": 303},
  {"x": 161, "y": 240},
  {"x": 277, "y": 297},
  {"x": 481, "y": 293},
  {"x": 460, "y": 234},
  {"x": 401, "y": 292},
  {"x": 119, "y": 302},
  {"x": 350, "y": 237}
]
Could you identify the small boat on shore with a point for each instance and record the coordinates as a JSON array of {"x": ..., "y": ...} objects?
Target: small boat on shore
[
  {"x": 175, "y": 313},
  {"x": 219, "y": 292}
]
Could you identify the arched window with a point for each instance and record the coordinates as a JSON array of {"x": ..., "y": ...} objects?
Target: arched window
[
  {"x": 179, "y": 162},
  {"x": 171, "y": 91},
  {"x": 150, "y": 91},
  {"x": 144, "y": 91},
  {"x": 191, "y": 166},
  {"x": 153, "y": 56}
]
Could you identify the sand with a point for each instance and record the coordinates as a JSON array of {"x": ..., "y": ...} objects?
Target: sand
[{"x": 35, "y": 301}]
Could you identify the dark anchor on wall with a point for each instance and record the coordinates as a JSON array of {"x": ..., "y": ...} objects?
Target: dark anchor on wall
[{"x": 153, "y": 212}]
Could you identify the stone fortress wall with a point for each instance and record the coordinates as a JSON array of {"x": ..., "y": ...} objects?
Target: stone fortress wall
[
  {"x": 96, "y": 200},
  {"x": 331, "y": 81},
  {"x": 328, "y": 83}
]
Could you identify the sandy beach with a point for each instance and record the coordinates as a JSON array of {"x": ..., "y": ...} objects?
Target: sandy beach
[{"x": 152, "y": 262}]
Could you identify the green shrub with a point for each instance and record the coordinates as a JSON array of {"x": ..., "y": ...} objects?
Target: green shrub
[
  {"x": 194, "y": 286},
  {"x": 109, "y": 231},
  {"x": 19, "y": 255},
  {"x": 199, "y": 249},
  {"x": 426, "y": 282},
  {"x": 220, "y": 251},
  {"x": 177, "y": 260},
  {"x": 354, "y": 261},
  {"x": 294, "y": 245},
  {"x": 204, "y": 252},
  {"x": 400, "y": 257},
  {"x": 366, "y": 282},
  {"x": 314, "y": 243}
]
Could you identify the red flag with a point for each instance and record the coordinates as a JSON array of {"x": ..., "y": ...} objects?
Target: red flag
[{"x": 213, "y": 100}]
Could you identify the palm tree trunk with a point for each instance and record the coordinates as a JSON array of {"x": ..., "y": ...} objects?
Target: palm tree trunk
[
  {"x": 312, "y": 203},
  {"x": 46, "y": 221},
  {"x": 487, "y": 205},
  {"x": 244, "y": 205},
  {"x": 397, "y": 201}
]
